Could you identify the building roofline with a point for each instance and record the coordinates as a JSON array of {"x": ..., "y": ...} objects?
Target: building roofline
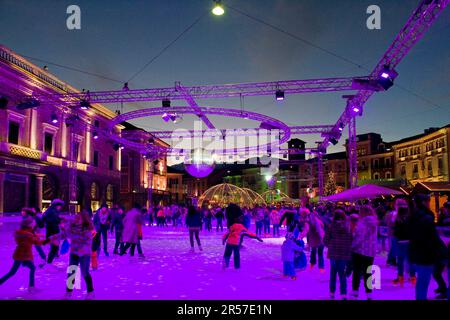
[{"x": 25, "y": 66}]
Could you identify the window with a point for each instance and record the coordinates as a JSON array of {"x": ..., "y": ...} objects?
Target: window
[
  {"x": 96, "y": 123},
  {"x": 387, "y": 162},
  {"x": 376, "y": 176},
  {"x": 403, "y": 171},
  {"x": 415, "y": 168},
  {"x": 95, "y": 158},
  {"x": 76, "y": 149},
  {"x": 363, "y": 164},
  {"x": 111, "y": 163},
  {"x": 376, "y": 163},
  {"x": 13, "y": 133},
  {"x": 430, "y": 168},
  {"x": 388, "y": 175},
  {"x": 440, "y": 165},
  {"x": 48, "y": 143}
]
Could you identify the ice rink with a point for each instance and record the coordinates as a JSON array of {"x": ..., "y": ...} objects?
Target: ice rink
[{"x": 170, "y": 271}]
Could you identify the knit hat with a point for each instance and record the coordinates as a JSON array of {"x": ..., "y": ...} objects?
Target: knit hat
[
  {"x": 26, "y": 223},
  {"x": 57, "y": 202},
  {"x": 290, "y": 236}
]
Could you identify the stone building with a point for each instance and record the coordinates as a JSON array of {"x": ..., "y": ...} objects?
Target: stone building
[{"x": 39, "y": 144}]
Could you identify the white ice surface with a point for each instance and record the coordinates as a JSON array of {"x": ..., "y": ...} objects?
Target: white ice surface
[{"x": 169, "y": 271}]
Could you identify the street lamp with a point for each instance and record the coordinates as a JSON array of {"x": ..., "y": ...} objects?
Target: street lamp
[{"x": 218, "y": 8}]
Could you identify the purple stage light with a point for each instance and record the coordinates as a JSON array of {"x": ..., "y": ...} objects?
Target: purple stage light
[
  {"x": 356, "y": 109},
  {"x": 385, "y": 75},
  {"x": 279, "y": 95},
  {"x": 165, "y": 117},
  {"x": 54, "y": 118},
  {"x": 95, "y": 135}
]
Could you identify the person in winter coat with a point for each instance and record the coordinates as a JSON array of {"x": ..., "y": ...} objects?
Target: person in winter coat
[
  {"x": 364, "y": 249},
  {"x": 266, "y": 221},
  {"x": 81, "y": 232},
  {"x": 444, "y": 215},
  {"x": 194, "y": 223},
  {"x": 52, "y": 222},
  {"x": 259, "y": 220},
  {"x": 338, "y": 239},
  {"x": 247, "y": 218},
  {"x": 402, "y": 235},
  {"x": 424, "y": 245},
  {"x": 316, "y": 232},
  {"x": 233, "y": 239},
  {"x": 290, "y": 216},
  {"x": 131, "y": 223},
  {"x": 219, "y": 219},
  {"x": 275, "y": 220},
  {"x": 117, "y": 215},
  {"x": 208, "y": 219},
  {"x": 23, "y": 255},
  {"x": 232, "y": 213},
  {"x": 102, "y": 223},
  {"x": 31, "y": 213},
  {"x": 288, "y": 251}
]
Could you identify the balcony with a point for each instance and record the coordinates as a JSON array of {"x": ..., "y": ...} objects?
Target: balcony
[{"x": 20, "y": 151}]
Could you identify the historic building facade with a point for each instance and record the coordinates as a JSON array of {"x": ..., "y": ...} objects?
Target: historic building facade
[
  {"x": 376, "y": 163},
  {"x": 39, "y": 145},
  {"x": 423, "y": 158},
  {"x": 143, "y": 180}
]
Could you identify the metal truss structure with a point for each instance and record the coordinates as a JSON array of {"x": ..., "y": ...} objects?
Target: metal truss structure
[{"x": 420, "y": 21}]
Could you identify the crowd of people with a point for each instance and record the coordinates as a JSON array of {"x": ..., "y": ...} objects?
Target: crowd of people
[{"x": 352, "y": 234}]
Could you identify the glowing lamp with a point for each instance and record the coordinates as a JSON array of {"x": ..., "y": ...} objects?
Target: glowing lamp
[
  {"x": 218, "y": 8},
  {"x": 54, "y": 118}
]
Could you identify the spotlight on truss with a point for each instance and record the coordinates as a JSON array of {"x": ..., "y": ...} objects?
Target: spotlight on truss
[
  {"x": 28, "y": 104},
  {"x": 387, "y": 77},
  {"x": 166, "y": 103},
  {"x": 84, "y": 105},
  {"x": 279, "y": 95},
  {"x": 54, "y": 118}
]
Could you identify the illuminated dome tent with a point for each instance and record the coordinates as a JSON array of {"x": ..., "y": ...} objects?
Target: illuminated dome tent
[
  {"x": 224, "y": 194},
  {"x": 256, "y": 197},
  {"x": 273, "y": 195}
]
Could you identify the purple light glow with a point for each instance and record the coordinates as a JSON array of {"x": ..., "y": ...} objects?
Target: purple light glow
[
  {"x": 55, "y": 121},
  {"x": 385, "y": 75},
  {"x": 199, "y": 170},
  {"x": 356, "y": 109},
  {"x": 165, "y": 117}
]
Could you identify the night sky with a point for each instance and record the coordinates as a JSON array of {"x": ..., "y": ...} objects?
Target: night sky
[{"x": 119, "y": 37}]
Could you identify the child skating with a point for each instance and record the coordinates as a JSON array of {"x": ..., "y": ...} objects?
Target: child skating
[
  {"x": 23, "y": 255},
  {"x": 288, "y": 250},
  {"x": 232, "y": 239}
]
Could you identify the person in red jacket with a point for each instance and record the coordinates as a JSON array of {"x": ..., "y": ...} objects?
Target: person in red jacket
[
  {"x": 23, "y": 255},
  {"x": 233, "y": 242}
]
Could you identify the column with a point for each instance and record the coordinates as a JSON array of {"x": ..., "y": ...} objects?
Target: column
[
  {"x": 27, "y": 192},
  {"x": 150, "y": 183},
  {"x": 39, "y": 190},
  {"x": 2, "y": 192}
]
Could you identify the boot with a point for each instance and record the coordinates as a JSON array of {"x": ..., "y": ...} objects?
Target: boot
[
  {"x": 399, "y": 281},
  {"x": 94, "y": 262},
  {"x": 413, "y": 280}
]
